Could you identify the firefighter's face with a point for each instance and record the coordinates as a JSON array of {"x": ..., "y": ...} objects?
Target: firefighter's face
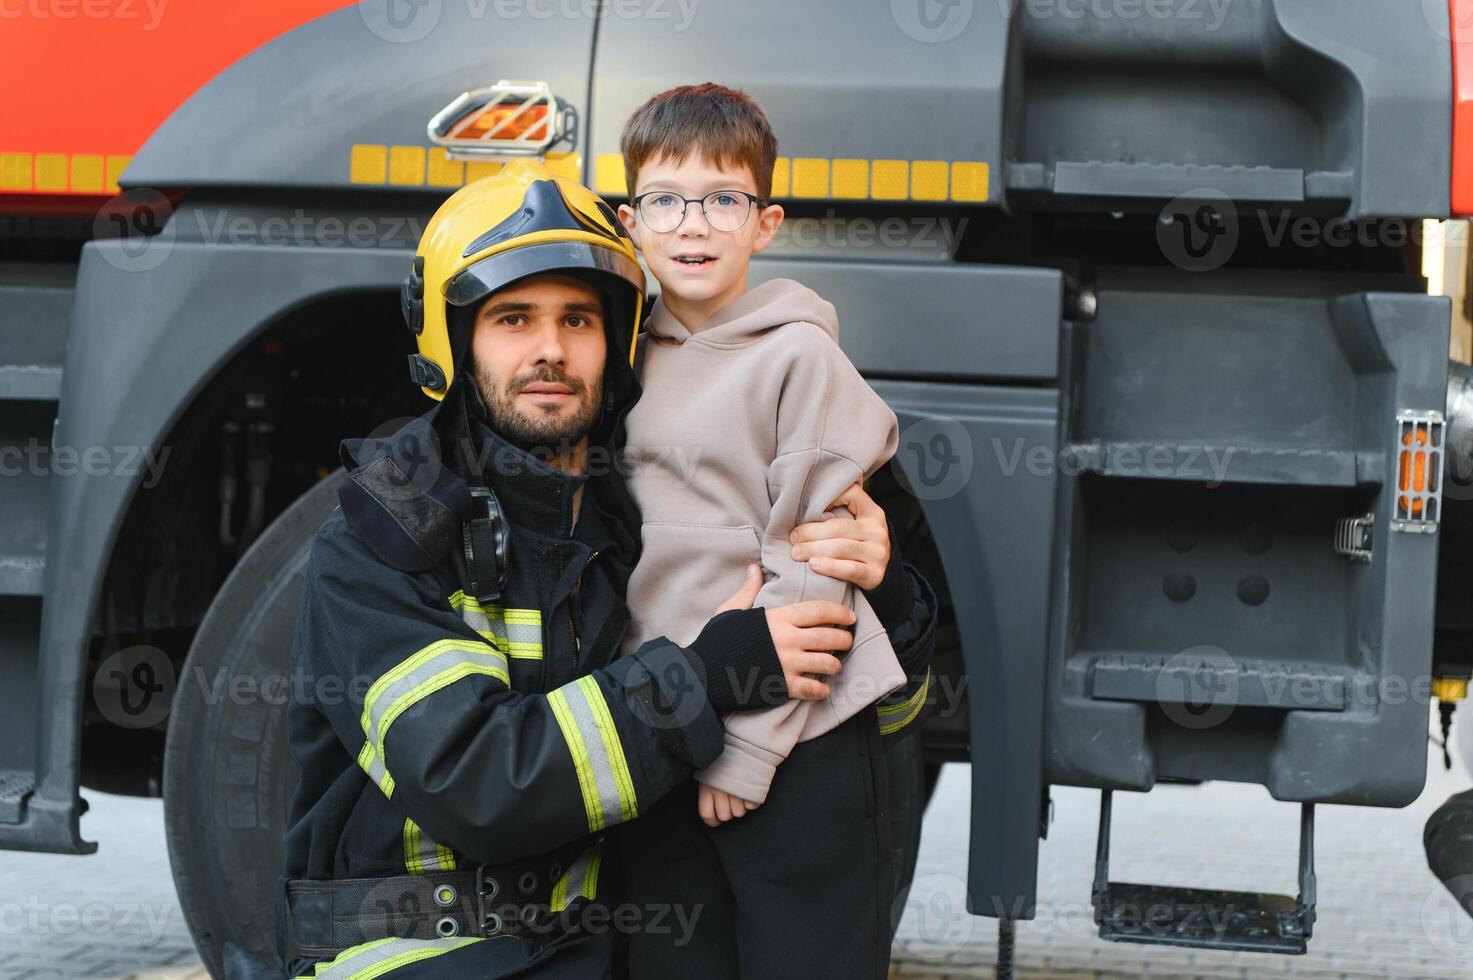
[
  {"x": 698, "y": 262},
  {"x": 539, "y": 349}
]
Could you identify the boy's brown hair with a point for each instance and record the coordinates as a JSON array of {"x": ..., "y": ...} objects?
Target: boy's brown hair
[{"x": 723, "y": 125}]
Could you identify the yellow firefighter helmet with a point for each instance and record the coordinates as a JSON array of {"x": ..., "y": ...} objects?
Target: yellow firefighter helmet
[{"x": 519, "y": 222}]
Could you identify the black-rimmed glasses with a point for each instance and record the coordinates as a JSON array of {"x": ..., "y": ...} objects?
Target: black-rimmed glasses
[{"x": 723, "y": 210}]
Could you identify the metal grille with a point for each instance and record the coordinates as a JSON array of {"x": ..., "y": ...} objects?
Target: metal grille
[
  {"x": 1353, "y": 536},
  {"x": 1418, "y": 502},
  {"x": 508, "y": 119}
]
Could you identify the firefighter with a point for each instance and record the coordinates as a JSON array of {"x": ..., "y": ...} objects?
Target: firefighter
[{"x": 465, "y": 732}]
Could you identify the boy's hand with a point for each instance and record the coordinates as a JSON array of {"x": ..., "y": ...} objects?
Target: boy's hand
[
  {"x": 854, "y": 549},
  {"x": 717, "y": 806}
]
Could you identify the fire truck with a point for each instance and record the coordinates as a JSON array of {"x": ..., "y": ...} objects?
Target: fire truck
[{"x": 1184, "y": 449}]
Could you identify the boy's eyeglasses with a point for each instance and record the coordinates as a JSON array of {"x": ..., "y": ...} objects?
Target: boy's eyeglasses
[{"x": 723, "y": 210}]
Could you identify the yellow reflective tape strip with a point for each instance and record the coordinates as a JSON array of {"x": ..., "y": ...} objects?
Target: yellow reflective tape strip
[
  {"x": 613, "y": 747},
  {"x": 115, "y": 167},
  {"x": 894, "y": 717},
  {"x": 928, "y": 180},
  {"x": 411, "y": 848},
  {"x": 434, "y": 667},
  {"x": 443, "y": 171},
  {"x": 782, "y": 177},
  {"x": 485, "y": 618},
  {"x": 15, "y": 171},
  {"x": 408, "y": 666},
  {"x": 51, "y": 171},
  {"x": 851, "y": 178},
  {"x": 422, "y": 853},
  {"x": 407, "y": 165},
  {"x": 890, "y": 180},
  {"x": 810, "y": 177},
  {"x": 368, "y": 163},
  {"x": 608, "y": 174},
  {"x": 581, "y": 878},
  {"x": 840, "y": 178},
  {"x": 441, "y": 680},
  {"x": 969, "y": 181},
  {"x": 376, "y": 958},
  {"x": 582, "y": 766},
  {"x": 373, "y": 765},
  {"x": 87, "y": 173},
  {"x": 61, "y": 173}
]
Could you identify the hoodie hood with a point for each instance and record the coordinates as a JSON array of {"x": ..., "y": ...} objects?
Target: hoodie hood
[{"x": 763, "y": 308}]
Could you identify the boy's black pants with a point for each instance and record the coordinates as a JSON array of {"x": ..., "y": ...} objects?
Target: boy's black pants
[{"x": 801, "y": 887}]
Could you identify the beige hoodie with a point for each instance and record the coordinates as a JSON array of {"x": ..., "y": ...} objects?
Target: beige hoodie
[{"x": 745, "y": 429}]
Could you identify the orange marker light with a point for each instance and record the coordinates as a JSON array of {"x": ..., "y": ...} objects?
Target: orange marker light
[
  {"x": 1413, "y": 472},
  {"x": 497, "y": 122}
]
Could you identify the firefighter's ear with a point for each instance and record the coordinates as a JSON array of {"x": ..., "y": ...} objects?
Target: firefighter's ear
[{"x": 629, "y": 220}]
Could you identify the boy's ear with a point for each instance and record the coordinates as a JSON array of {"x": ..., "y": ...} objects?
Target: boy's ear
[
  {"x": 631, "y": 225},
  {"x": 768, "y": 222}
]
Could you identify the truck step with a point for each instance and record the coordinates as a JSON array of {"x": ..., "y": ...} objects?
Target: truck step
[
  {"x": 1153, "y": 678},
  {"x": 1197, "y": 917},
  {"x": 15, "y": 786},
  {"x": 1166, "y": 915}
]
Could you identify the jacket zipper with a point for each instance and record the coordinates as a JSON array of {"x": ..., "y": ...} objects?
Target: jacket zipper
[{"x": 572, "y": 632}]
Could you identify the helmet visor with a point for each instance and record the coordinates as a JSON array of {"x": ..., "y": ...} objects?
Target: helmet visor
[{"x": 485, "y": 277}]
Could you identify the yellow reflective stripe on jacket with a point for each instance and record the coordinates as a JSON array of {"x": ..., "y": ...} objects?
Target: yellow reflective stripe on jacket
[
  {"x": 598, "y": 755},
  {"x": 894, "y": 717},
  {"x": 580, "y": 880},
  {"x": 374, "y": 766},
  {"x": 422, "y": 854},
  {"x": 369, "y": 960},
  {"x": 518, "y": 632},
  {"x": 423, "y": 673}
]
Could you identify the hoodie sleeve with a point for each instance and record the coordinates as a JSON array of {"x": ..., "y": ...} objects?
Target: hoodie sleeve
[
  {"x": 832, "y": 431},
  {"x": 427, "y": 710}
]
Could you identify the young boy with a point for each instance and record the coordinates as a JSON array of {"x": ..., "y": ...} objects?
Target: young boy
[{"x": 751, "y": 422}]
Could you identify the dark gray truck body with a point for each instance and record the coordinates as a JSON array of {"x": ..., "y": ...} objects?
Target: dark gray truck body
[{"x": 1064, "y": 410}]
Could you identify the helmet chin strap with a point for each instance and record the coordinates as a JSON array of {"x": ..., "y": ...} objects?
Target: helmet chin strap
[{"x": 484, "y": 538}]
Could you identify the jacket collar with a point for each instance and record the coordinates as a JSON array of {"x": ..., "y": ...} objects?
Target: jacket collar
[
  {"x": 405, "y": 496},
  {"x": 535, "y": 495},
  {"x": 401, "y": 497}
]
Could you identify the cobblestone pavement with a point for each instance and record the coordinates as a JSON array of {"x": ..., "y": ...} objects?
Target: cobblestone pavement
[{"x": 1381, "y": 914}]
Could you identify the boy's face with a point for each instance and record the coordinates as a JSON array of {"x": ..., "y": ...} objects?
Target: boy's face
[
  {"x": 700, "y": 266},
  {"x": 539, "y": 348}
]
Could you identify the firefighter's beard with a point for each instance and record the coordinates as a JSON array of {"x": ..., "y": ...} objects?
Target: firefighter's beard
[{"x": 555, "y": 433}]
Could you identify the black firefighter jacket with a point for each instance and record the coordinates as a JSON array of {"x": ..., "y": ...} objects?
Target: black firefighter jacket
[{"x": 438, "y": 733}]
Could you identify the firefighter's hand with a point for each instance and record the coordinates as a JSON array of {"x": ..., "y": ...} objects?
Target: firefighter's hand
[
  {"x": 855, "y": 549},
  {"x": 744, "y": 597},
  {"x": 806, "y": 636},
  {"x": 718, "y": 806}
]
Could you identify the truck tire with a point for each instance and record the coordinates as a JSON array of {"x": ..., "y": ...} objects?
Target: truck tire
[{"x": 228, "y": 775}]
